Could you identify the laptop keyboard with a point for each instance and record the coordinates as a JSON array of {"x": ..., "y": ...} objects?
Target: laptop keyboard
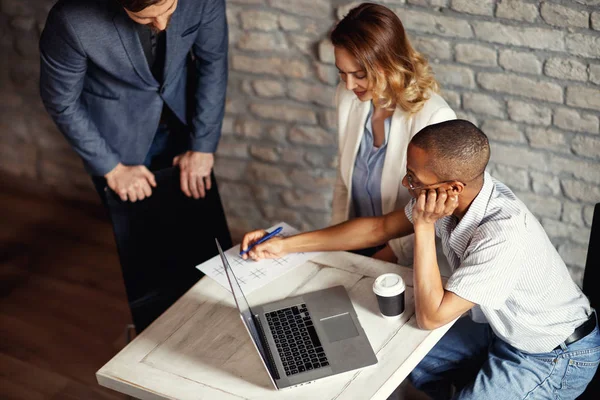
[{"x": 297, "y": 342}]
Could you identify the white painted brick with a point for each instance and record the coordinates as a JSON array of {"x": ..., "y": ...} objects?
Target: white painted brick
[
  {"x": 548, "y": 139},
  {"x": 581, "y": 191},
  {"x": 299, "y": 199},
  {"x": 328, "y": 119},
  {"x": 452, "y": 98},
  {"x": 268, "y": 174},
  {"x": 574, "y": 254},
  {"x": 595, "y": 73},
  {"x": 271, "y": 66},
  {"x": 268, "y": 88},
  {"x": 478, "y": 7},
  {"x": 235, "y": 106},
  {"x": 571, "y": 120},
  {"x": 476, "y": 54},
  {"x": 503, "y": 131},
  {"x": 344, "y": 9},
  {"x": 572, "y": 213},
  {"x": 313, "y": 179},
  {"x": 277, "y": 133},
  {"x": 261, "y": 41},
  {"x": 312, "y": 135},
  {"x": 532, "y": 37},
  {"x": 283, "y": 112},
  {"x": 327, "y": 73},
  {"x": 452, "y": 75},
  {"x": 587, "y": 146},
  {"x": 518, "y": 157},
  {"x": 318, "y": 159},
  {"x": 289, "y": 23},
  {"x": 304, "y": 44},
  {"x": 515, "y": 178},
  {"x": 584, "y": 97},
  {"x": 233, "y": 148},
  {"x": 293, "y": 155},
  {"x": 529, "y": 112},
  {"x": 229, "y": 168},
  {"x": 564, "y": 68},
  {"x": 460, "y": 114},
  {"x": 520, "y": 62},
  {"x": 518, "y": 85},
  {"x": 556, "y": 229},
  {"x": 237, "y": 191},
  {"x": 260, "y": 20},
  {"x": 588, "y": 215},
  {"x": 433, "y": 3},
  {"x": 558, "y": 15},
  {"x": 583, "y": 45},
  {"x": 586, "y": 170},
  {"x": 308, "y": 8},
  {"x": 483, "y": 104},
  {"x": 541, "y": 206},
  {"x": 595, "y": 19},
  {"x": 545, "y": 183},
  {"x": 250, "y": 128},
  {"x": 518, "y": 10},
  {"x": 326, "y": 54},
  {"x": 433, "y": 48},
  {"x": 268, "y": 154},
  {"x": 420, "y": 21},
  {"x": 310, "y": 93}
]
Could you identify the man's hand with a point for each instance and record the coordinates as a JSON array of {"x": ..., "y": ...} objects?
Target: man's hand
[
  {"x": 131, "y": 182},
  {"x": 272, "y": 248},
  {"x": 432, "y": 205},
  {"x": 195, "y": 172}
]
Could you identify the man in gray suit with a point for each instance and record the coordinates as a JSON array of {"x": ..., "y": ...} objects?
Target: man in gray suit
[
  {"x": 113, "y": 78},
  {"x": 138, "y": 86}
]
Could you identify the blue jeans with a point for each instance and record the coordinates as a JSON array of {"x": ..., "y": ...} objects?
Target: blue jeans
[{"x": 481, "y": 366}]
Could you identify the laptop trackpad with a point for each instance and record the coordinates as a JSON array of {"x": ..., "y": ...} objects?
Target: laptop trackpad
[{"x": 339, "y": 327}]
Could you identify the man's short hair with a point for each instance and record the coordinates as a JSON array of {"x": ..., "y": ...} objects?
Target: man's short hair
[
  {"x": 137, "y": 5},
  {"x": 457, "y": 149}
]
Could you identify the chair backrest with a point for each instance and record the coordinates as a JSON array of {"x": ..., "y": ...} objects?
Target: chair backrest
[
  {"x": 591, "y": 276},
  {"x": 161, "y": 239}
]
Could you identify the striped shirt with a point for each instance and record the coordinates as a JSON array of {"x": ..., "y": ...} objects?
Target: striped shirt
[{"x": 503, "y": 261}]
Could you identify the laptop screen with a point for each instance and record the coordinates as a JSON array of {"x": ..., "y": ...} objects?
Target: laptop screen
[{"x": 243, "y": 306}]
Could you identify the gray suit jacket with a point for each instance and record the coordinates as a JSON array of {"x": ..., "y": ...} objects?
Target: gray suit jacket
[{"x": 96, "y": 84}]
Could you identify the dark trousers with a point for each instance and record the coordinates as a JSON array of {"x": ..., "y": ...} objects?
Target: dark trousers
[{"x": 162, "y": 238}]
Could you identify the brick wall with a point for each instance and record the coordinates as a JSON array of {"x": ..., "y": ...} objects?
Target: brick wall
[{"x": 527, "y": 72}]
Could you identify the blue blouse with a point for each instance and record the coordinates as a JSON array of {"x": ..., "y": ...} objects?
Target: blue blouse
[{"x": 368, "y": 167}]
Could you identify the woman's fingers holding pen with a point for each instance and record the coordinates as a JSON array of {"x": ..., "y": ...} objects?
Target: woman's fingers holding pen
[
  {"x": 250, "y": 238},
  {"x": 272, "y": 248}
]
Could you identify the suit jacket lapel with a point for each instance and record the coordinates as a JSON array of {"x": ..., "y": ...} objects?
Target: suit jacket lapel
[
  {"x": 356, "y": 128},
  {"x": 173, "y": 39},
  {"x": 133, "y": 47},
  {"x": 395, "y": 165}
]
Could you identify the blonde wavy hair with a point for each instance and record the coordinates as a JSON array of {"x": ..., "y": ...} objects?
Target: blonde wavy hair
[{"x": 397, "y": 74}]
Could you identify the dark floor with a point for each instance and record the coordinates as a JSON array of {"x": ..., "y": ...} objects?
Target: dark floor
[{"x": 63, "y": 309}]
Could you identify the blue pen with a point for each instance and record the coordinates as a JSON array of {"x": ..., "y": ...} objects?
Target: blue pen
[{"x": 262, "y": 240}]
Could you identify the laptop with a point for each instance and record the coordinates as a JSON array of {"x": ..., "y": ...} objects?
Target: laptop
[{"x": 304, "y": 338}]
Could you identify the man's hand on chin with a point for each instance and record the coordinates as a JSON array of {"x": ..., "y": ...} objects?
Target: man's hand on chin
[{"x": 195, "y": 170}]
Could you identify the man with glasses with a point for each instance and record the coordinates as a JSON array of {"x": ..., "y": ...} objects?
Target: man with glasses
[{"x": 531, "y": 331}]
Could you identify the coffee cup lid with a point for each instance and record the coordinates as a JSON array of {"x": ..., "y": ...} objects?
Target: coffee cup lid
[{"x": 388, "y": 285}]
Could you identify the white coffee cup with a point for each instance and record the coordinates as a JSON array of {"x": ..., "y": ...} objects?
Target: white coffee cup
[{"x": 389, "y": 289}]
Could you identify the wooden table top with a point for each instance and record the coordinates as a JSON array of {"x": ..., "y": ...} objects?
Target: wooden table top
[{"x": 199, "y": 348}]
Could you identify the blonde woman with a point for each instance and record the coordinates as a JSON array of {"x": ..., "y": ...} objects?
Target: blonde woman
[{"x": 386, "y": 95}]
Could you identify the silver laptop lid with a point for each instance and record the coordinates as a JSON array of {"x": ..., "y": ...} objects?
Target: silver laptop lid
[{"x": 245, "y": 311}]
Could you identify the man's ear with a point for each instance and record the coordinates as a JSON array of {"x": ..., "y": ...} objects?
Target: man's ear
[{"x": 457, "y": 187}]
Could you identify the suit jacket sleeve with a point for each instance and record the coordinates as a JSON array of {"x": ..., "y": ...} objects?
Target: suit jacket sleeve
[
  {"x": 340, "y": 191},
  {"x": 210, "y": 51},
  {"x": 63, "y": 65}
]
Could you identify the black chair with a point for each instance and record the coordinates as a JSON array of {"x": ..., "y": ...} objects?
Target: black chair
[
  {"x": 591, "y": 280},
  {"x": 161, "y": 239}
]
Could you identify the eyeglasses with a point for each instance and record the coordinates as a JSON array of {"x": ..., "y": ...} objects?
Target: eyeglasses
[{"x": 409, "y": 179}]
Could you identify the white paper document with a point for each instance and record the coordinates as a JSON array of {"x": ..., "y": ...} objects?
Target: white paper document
[{"x": 250, "y": 274}]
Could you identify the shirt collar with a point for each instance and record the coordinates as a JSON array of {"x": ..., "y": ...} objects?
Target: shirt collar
[
  {"x": 386, "y": 125},
  {"x": 464, "y": 231}
]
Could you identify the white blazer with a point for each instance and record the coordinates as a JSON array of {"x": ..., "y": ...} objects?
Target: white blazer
[{"x": 352, "y": 115}]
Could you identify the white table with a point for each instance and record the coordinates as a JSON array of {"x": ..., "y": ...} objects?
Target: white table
[{"x": 199, "y": 348}]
